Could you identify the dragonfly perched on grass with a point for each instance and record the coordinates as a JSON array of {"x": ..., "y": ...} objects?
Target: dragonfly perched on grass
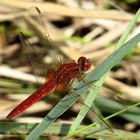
[{"x": 62, "y": 76}]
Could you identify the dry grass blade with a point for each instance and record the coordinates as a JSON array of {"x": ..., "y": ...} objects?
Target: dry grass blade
[
  {"x": 105, "y": 38},
  {"x": 127, "y": 92},
  {"x": 16, "y": 74},
  {"x": 11, "y": 16},
  {"x": 65, "y": 11}
]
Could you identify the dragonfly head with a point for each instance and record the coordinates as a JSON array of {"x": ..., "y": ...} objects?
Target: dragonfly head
[{"x": 85, "y": 64}]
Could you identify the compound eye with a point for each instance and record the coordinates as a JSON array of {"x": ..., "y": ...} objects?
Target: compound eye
[{"x": 84, "y": 63}]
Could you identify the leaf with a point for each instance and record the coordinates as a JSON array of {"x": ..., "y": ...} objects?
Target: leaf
[{"x": 95, "y": 75}]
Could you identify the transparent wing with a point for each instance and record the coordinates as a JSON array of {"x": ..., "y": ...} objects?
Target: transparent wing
[
  {"x": 40, "y": 28},
  {"x": 88, "y": 105},
  {"x": 32, "y": 56},
  {"x": 92, "y": 111}
]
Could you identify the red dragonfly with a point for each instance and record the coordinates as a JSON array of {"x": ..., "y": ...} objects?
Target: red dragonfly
[{"x": 59, "y": 78}]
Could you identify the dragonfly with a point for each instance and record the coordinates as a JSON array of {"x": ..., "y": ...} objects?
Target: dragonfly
[
  {"x": 61, "y": 77},
  {"x": 58, "y": 79}
]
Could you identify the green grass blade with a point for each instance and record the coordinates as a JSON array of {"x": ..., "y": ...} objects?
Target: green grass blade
[
  {"x": 95, "y": 75},
  {"x": 24, "y": 128},
  {"x": 110, "y": 106},
  {"x": 128, "y": 30},
  {"x": 113, "y": 59},
  {"x": 87, "y": 128},
  {"x": 21, "y": 130},
  {"x": 88, "y": 101},
  {"x": 90, "y": 98}
]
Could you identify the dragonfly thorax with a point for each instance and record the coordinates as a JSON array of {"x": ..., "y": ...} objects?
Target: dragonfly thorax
[{"x": 68, "y": 71}]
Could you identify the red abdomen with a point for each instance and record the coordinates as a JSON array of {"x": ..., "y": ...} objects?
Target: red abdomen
[{"x": 36, "y": 96}]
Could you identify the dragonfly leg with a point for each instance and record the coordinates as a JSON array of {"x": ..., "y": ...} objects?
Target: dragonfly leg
[{"x": 81, "y": 78}]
